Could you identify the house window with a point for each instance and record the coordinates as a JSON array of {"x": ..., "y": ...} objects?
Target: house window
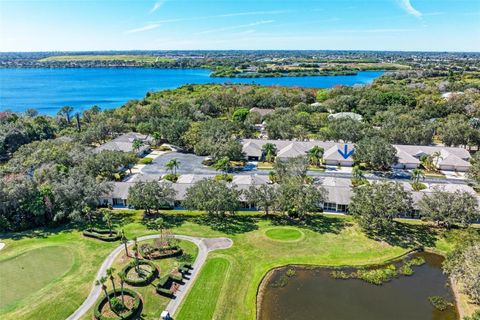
[
  {"x": 342, "y": 208},
  {"x": 330, "y": 206}
]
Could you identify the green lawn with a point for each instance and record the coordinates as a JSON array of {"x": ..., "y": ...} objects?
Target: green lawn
[
  {"x": 205, "y": 294},
  {"x": 284, "y": 234},
  {"x": 227, "y": 285},
  {"x": 31, "y": 271}
]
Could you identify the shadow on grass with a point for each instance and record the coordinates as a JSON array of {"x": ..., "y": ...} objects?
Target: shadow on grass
[
  {"x": 406, "y": 235},
  {"x": 314, "y": 222},
  {"x": 169, "y": 220},
  {"x": 39, "y": 233},
  {"x": 228, "y": 224}
]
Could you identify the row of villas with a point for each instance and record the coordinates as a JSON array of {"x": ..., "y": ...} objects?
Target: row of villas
[
  {"x": 408, "y": 156},
  {"x": 338, "y": 191}
]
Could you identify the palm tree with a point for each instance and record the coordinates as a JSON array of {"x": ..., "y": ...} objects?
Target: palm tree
[
  {"x": 417, "y": 174},
  {"x": 110, "y": 272},
  {"x": 136, "y": 144},
  {"x": 125, "y": 242},
  {"x": 101, "y": 282},
  {"x": 437, "y": 156},
  {"x": 315, "y": 155},
  {"x": 223, "y": 165},
  {"x": 121, "y": 275},
  {"x": 107, "y": 218},
  {"x": 172, "y": 165},
  {"x": 269, "y": 151},
  {"x": 66, "y": 111},
  {"x": 157, "y": 136}
]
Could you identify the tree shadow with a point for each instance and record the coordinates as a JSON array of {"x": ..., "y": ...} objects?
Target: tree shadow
[
  {"x": 228, "y": 224},
  {"x": 169, "y": 220},
  {"x": 406, "y": 235},
  {"x": 39, "y": 233},
  {"x": 118, "y": 220},
  {"x": 315, "y": 222}
]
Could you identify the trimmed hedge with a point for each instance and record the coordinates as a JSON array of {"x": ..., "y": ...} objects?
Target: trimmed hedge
[
  {"x": 140, "y": 282},
  {"x": 102, "y": 234},
  {"x": 132, "y": 313},
  {"x": 156, "y": 255}
]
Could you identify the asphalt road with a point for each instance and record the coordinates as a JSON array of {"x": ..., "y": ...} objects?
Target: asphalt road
[{"x": 205, "y": 245}]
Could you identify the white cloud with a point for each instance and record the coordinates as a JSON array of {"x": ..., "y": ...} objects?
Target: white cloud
[
  {"x": 156, "y": 6},
  {"x": 147, "y": 27},
  {"x": 407, "y": 6}
]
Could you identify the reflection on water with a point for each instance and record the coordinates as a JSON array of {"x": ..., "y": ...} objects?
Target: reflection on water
[{"x": 314, "y": 294}]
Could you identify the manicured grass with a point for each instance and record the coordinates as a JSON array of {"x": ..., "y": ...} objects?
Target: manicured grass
[
  {"x": 204, "y": 295},
  {"x": 328, "y": 240},
  {"x": 284, "y": 234},
  {"x": 340, "y": 243},
  {"x": 29, "y": 272}
]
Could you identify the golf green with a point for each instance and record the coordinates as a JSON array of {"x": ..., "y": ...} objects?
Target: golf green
[
  {"x": 284, "y": 234},
  {"x": 31, "y": 271}
]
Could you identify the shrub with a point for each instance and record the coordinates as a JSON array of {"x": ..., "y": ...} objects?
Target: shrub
[
  {"x": 171, "y": 177},
  {"x": 440, "y": 303},
  {"x": 164, "y": 148},
  {"x": 224, "y": 177},
  {"x": 164, "y": 292},
  {"x": 117, "y": 305},
  {"x": 378, "y": 276},
  {"x": 145, "y": 161},
  {"x": 417, "y": 186},
  {"x": 290, "y": 272},
  {"x": 156, "y": 253},
  {"x": 102, "y": 234},
  {"x": 131, "y": 314},
  {"x": 338, "y": 274},
  {"x": 142, "y": 281}
]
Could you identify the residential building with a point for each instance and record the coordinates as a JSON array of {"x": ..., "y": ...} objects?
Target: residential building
[
  {"x": 125, "y": 143},
  {"x": 445, "y": 158}
]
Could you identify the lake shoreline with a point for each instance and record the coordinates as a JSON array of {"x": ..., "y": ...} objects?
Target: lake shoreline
[
  {"x": 269, "y": 274},
  {"x": 49, "y": 89}
]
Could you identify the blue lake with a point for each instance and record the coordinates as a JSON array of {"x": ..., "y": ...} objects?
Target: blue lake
[{"x": 47, "y": 90}]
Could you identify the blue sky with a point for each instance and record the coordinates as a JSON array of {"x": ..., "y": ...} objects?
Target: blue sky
[{"x": 430, "y": 25}]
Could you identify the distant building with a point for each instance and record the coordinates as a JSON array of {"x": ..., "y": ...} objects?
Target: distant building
[
  {"x": 338, "y": 191},
  {"x": 450, "y": 158},
  {"x": 262, "y": 112},
  {"x": 342, "y": 115},
  {"x": 125, "y": 143}
]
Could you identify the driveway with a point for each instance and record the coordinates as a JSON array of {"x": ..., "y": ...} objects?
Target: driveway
[
  {"x": 189, "y": 164},
  {"x": 205, "y": 245}
]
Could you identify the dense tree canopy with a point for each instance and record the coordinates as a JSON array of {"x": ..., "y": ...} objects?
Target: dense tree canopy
[
  {"x": 214, "y": 197},
  {"x": 375, "y": 205}
]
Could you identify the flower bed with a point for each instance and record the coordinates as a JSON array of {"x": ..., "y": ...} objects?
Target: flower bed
[
  {"x": 133, "y": 310},
  {"x": 141, "y": 281},
  {"x": 102, "y": 234}
]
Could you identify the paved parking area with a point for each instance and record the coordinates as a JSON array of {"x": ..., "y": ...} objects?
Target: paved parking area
[{"x": 189, "y": 164}]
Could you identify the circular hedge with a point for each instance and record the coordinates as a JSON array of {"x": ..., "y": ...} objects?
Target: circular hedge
[
  {"x": 143, "y": 281},
  {"x": 102, "y": 234},
  {"x": 130, "y": 314},
  {"x": 284, "y": 234}
]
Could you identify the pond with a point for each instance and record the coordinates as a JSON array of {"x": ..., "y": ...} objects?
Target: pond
[
  {"x": 312, "y": 293},
  {"x": 47, "y": 90}
]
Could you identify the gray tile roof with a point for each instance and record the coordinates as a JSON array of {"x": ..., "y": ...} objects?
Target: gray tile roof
[{"x": 125, "y": 143}]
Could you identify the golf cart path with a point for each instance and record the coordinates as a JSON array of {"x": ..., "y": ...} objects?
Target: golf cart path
[{"x": 205, "y": 245}]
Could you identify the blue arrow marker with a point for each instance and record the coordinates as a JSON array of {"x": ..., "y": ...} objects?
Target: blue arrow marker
[{"x": 346, "y": 154}]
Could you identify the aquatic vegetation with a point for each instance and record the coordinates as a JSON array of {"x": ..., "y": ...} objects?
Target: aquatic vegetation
[
  {"x": 440, "y": 303},
  {"x": 377, "y": 276}
]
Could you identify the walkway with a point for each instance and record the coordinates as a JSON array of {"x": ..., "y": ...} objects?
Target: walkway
[{"x": 205, "y": 245}]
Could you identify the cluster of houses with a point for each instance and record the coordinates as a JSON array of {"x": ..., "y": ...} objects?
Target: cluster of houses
[
  {"x": 338, "y": 190},
  {"x": 408, "y": 156}
]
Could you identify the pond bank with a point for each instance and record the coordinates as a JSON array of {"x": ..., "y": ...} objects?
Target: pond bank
[{"x": 312, "y": 291}]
